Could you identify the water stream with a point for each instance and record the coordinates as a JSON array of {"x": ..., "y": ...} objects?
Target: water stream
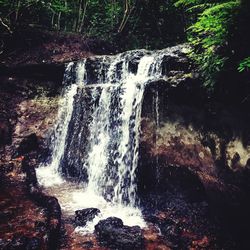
[{"x": 96, "y": 138}]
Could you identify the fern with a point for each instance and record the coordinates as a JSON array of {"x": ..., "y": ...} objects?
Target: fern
[
  {"x": 244, "y": 65},
  {"x": 209, "y": 33}
]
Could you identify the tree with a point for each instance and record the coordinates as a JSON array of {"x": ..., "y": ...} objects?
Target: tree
[
  {"x": 130, "y": 23},
  {"x": 210, "y": 33}
]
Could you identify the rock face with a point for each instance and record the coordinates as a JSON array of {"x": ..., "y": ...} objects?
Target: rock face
[
  {"x": 23, "y": 224},
  {"x": 36, "y": 47},
  {"x": 5, "y": 131},
  {"x": 113, "y": 234},
  {"x": 188, "y": 137},
  {"x": 180, "y": 127},
  {"x": 24, "y": 243},
  {"x": 85, "y": 215},
  {"x": 28, "y": 106},
  {"x": 28, "y": 144},
  {"x": 193, "y": 143}
]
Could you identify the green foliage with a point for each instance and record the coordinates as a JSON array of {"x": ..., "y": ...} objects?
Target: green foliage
[
  {"x": 244, "y": 65},
  {"x": 103, "y": 24},
  {"x": 188, "y": 3},
  {"x": 130, "y": 23},
  {"x": 209, "y": 34}
]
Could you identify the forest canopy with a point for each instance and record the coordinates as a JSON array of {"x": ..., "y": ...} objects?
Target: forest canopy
[{"x": 131, "y": 23}]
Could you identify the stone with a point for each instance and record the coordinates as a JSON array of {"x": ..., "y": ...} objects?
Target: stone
[
  {"x": 23, "y": 242},
  {"x": 88, "y": 244},
  {"x": 113, "y": 234},
  {"x": 3, "y": 244},
  {"x": 7, "y": 168},
  {"x": 40, "y": 226},
  {"x": 248, "y": 164},
  {"x": 33, "y": 243},
  {"x": 29, "y": 170},
  {"x": 28, "y": 144},
  {"x": 5, "y": 132},
  {"x": 17, "y": 243},
  {"x": 85, "y": 215},
  {"x": 235, "y": 159}
]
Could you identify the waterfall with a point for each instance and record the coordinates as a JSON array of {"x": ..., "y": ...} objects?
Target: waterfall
[
  {"x": 96, "y": 138},
  {"x": 59, "y": 136},
  {"x": 113, "y": 154}
]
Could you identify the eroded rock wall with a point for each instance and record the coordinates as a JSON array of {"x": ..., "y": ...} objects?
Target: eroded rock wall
[
  {"x": 28, "y": 106},
  {"x": 199, "y": 145}
]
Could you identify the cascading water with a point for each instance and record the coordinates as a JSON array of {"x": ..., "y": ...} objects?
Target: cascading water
[
  {"x": 97, "y": 135},
  {"x": 112, "y": 158}
]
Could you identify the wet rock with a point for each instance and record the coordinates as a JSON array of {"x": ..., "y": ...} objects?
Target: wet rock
[
  {"x": 87, "y": 244},
  {"x": 17, "y": 243},
  {"x": 50, "y": 203},
  {"x": 202, "y": 243},
  {"x": 168, "y": 227},
  {"x": 23, "y": 242},
  {"x": 113, "y": 234},
  {"x": 6, "y": 214},
  {"x": 109, "y": 223},
  {"x": 248, "y": 164},
  {"x": 85, "y": 215},
  {"x": 7, "y": 168},
  {"x": 235, "y": 159},
  {"x": 40, "y": 226},
  {"x": 174, "y": 63},
  {"x": 3, "y": 244},
  {"x": 5, "y": 132},
  {"x": 133, "y": 64},
  {"x": 171, "y": 231},
  {"x": 52, "y": 72},
  {"x": 30, "y": 171},
  {"x": 28, "y": 144},
  {"x": 33, "y": 244}
]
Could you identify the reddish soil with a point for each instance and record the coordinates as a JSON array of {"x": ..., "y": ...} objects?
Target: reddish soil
[
  {"x": 38, "y": 47},
  {"x": 20, "y": 217}
]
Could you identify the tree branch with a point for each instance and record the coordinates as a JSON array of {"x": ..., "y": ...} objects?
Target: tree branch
[
  {"x": 5, "y": 26},
  {"x": 127, "y": 13}
]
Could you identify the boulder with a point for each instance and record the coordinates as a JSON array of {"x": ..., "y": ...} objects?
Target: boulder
[
  {"x": 85, "y": 215},
  {"x": 113, "y": 234}
]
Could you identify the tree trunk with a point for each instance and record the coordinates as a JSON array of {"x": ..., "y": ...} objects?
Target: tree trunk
[
  {"x": 5, "y": 25},
  {"x": 74, "y": 24},
  {"x": 17, "y": 10},
  {"x": 83, "y": 16},
  {"x": 79, "y": 15},
  {"x": 59, "y": 21},
  {"x": 65, "y": 22},
  {"x": 127, "y": 12},
  {"x": 52, "y": 20}
]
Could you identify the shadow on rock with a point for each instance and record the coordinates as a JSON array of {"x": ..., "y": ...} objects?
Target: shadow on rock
[{"x": 113, "y": 234}]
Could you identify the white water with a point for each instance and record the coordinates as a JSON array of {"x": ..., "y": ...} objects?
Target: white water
[
  {"x": 49, "y": 175},
  {"x": 108, "y": 151}
]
